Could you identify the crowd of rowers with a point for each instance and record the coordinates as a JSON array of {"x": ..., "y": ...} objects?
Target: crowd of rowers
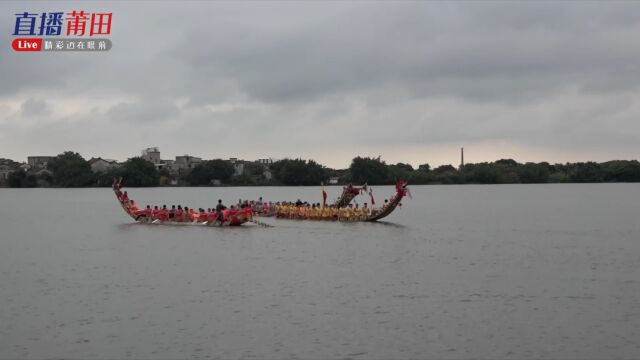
[
  {"x": 245, "y": 208},
  {"x": 220, "y": 213},
  {"x": 289, "y": 210}
]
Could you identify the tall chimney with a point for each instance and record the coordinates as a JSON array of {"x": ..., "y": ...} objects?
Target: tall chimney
[{"x": 461, "y": 158}]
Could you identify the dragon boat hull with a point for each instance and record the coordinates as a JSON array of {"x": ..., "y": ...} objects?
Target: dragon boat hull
[
  {"x": 235, "y": 220},
  {"x": 348, "y": 195}
]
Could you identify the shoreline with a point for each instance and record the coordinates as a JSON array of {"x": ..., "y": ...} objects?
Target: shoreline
[{"x": 317, "y": 186}]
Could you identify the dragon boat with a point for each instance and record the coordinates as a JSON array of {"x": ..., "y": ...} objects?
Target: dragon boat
[
  {"x": 349, "y": 193},
  {"x": 140, "y": 216}
]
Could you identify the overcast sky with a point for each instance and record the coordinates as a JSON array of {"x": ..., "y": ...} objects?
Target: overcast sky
[{"x": 409, "y": 81}]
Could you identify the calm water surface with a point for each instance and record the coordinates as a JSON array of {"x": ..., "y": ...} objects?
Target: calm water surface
[{"x": 522, "y": 271}]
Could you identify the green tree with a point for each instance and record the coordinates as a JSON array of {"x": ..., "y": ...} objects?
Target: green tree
[
  {"x": 138, "y": 172},
  {"x": 369, "y": 170},
  {"x": 621, "y": 171},
  {"x": 400, "y": 171},
  {"x": 507, "y": 162},
  {"x": 20, "y": 179},
  {"x": 586, "y": 172},
  {"x": 315, "y": 173},
  {"x": 444, "y": 168},
  {"x": 447, "y": 174},
  {"x": 299, "y": 172},
  {"x": 533, "y": 173},
  {"x": 422, "y": 175},
  {"x": 70, "y": 169},
  {"x": 482, "y": 173},
  {"x": 205, "y": 172},
  {"x": 253, "y": 173},
  {"x": 558, "y": 177}
]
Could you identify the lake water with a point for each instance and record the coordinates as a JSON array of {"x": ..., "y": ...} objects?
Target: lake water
[{"x": 508, "y": 271}]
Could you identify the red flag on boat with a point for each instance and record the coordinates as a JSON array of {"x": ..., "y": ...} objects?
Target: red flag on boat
[{"x": 324, "y": 198}]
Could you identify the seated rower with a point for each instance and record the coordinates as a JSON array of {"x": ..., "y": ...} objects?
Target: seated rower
[
  {"x": 132, "y": 207},
  {"x": 381, "y": 208},
  {"x": 233, "y": 212},
  {"x": 343, "y": 214},
  {"x": 325, "y": 214},
  {"x": 352, "y": 213},
  {"x": 124, "y": 198},
  {"x": 333, "y": 213},
  {"x": 179, "y": 214},
  {"x": 163, "y": 214},
  {"x": 356, "y": 212},
  {"x": 248, "y": 212},
  {"x": 148, "y": 213},
  {"x": 364, "y": 212}
]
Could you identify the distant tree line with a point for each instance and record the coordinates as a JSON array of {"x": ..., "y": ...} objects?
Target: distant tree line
[{"x": 70, "y": 169}]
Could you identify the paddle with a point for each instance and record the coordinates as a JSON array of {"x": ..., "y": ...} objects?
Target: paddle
[{"x": 260, "y": 223}]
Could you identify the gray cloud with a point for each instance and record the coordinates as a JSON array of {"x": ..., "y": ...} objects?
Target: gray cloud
[
  {"x": 34, "y": 107},
  {"x": 143, "y": 111}
]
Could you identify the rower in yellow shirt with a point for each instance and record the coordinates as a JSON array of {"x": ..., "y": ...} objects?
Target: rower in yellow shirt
[
  {"x": 326, "y": 213},
  {"x": 364, "y": 213},
  {"x": 343, "y": 214},
  {"x": 352, "y": 212}
]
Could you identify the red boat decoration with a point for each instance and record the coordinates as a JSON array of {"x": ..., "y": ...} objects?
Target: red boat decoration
[{"x": 348, "y": 193}]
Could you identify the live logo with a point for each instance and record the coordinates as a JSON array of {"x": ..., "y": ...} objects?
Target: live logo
[{"x": 27, "y": 44}]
